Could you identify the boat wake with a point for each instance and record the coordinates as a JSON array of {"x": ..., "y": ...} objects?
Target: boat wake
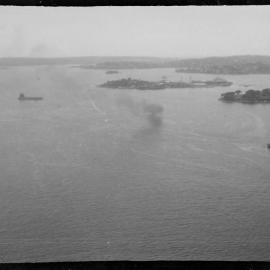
[{"x": 97, "y": 109}]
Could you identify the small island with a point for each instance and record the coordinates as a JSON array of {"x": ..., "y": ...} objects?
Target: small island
[
  {"x": 215, "y": 82},
  {"x": 112, "y": 72},
  {"x": 250, "y": 96},
  {"x": 163, "y": 84}
]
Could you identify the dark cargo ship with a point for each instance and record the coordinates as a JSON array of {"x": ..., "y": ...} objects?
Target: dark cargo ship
[{"x": 22, "y": 97}]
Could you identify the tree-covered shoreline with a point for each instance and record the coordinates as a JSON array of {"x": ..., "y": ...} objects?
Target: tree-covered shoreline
[{"x": 250, "y": 96}]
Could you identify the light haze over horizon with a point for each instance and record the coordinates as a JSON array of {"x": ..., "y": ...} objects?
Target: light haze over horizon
[{"x": 134, "y": 31}]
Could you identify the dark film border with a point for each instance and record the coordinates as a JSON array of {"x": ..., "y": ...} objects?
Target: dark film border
[{"x": 136, "y": 265}]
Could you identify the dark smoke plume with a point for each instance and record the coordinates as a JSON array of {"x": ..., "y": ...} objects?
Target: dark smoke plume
[{"x": 152, "y": 113}]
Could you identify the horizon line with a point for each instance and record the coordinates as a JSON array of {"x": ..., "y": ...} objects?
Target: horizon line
[{"x": 128, "y": 56}]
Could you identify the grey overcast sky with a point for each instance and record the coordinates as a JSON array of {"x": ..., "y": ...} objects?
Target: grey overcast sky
[{"x": 134, "y": 31}]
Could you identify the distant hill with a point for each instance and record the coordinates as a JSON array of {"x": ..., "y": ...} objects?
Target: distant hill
[
  {"x": 81, "y": 60},
  {"x": 244, "y": 64},
  {"x": 247, "y": 64}
]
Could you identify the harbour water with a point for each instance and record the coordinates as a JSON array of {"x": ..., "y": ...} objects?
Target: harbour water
[{"x": 92, "y": 174}]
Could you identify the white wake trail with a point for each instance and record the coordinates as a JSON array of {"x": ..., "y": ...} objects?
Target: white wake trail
[{"x": 97, "y": 109}]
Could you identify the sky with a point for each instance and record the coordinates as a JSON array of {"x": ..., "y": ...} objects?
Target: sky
[{"x": 183, "y": 32}]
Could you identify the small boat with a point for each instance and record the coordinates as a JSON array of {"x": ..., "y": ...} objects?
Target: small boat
[{"x": 22, "y": 97}]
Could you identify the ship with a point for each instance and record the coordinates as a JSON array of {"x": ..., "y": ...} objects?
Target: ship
[{"x": 22, "y": 97}]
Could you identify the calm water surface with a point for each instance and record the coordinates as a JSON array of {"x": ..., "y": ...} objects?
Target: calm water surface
[{"x": 87, "y": 174}]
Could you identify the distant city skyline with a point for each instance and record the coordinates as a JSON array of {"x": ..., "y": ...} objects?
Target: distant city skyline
[{"x": 181, "y": 32}]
